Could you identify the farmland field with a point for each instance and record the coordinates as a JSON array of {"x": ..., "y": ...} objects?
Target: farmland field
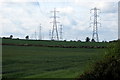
[{"x": 47, "y": 62}]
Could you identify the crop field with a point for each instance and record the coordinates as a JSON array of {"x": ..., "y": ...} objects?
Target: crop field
[{"x": 47, "y": 62}]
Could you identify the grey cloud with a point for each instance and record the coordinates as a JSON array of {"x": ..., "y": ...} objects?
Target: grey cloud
[{"x": 111, "y": 7}]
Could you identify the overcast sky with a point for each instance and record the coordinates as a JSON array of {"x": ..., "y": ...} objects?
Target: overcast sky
[{"x": 20, "y": 18}]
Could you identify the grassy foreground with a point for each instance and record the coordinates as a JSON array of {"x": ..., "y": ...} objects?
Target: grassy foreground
[{"x": 47, "y": 62}]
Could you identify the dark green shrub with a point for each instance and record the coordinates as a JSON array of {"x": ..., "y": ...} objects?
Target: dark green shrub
[{"x": 106, "y": 69}]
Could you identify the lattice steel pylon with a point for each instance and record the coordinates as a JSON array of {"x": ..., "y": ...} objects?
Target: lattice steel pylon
[
  {"x": 50, "y": 34},
  {"x": 61, "y": 32},
  {"x": 95, "y": 23},
  {"x": 54, "y": 30},
  {"x": 35, "y": 35},
  {"x": 40, "y": 33}
]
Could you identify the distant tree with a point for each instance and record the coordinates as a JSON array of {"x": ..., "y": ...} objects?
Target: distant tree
[
  {"x": 92, "y": 40},
  {"x": 70, "y": 40},
  {"x": 103, "y": 41},
  {"x": 27, "y": 37},
  {"x": 64, "y": 40},
  {"x": 79, "y": 40},
  {"x": 3, "y": 37},
  {"x": 74, "y": 41},
  {"x": 11, "y": 36},
  {"x": 87, "y": 39}
]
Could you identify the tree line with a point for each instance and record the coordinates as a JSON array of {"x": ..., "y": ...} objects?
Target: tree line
[{"x": 87, "y": 39}]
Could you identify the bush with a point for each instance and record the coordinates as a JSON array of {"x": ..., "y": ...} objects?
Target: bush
[
  {"x": 108, "y": 68},
  {"x": 87, "y": 39}
]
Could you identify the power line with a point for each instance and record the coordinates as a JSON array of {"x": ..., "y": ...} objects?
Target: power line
[
  {"x": 40, "y": 8},
  {"x": 95, "y": 23}
]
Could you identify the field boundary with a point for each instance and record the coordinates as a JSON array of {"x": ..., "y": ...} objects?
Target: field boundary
[{"x": 59, "y": 46}]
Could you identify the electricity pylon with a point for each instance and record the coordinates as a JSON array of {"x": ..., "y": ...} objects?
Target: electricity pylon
[
  {"x": 50, "y": 34},
  {"x": 95, "y": 23},
  {"x": 54, "y": 30},
  {"x": 35, "y": 35},
  {"x": 40, "y": 33},
  {"x": 61, "y": 32}
]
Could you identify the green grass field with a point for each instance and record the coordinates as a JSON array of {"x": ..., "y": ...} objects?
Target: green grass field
[{"x": 47, "y": 62}]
